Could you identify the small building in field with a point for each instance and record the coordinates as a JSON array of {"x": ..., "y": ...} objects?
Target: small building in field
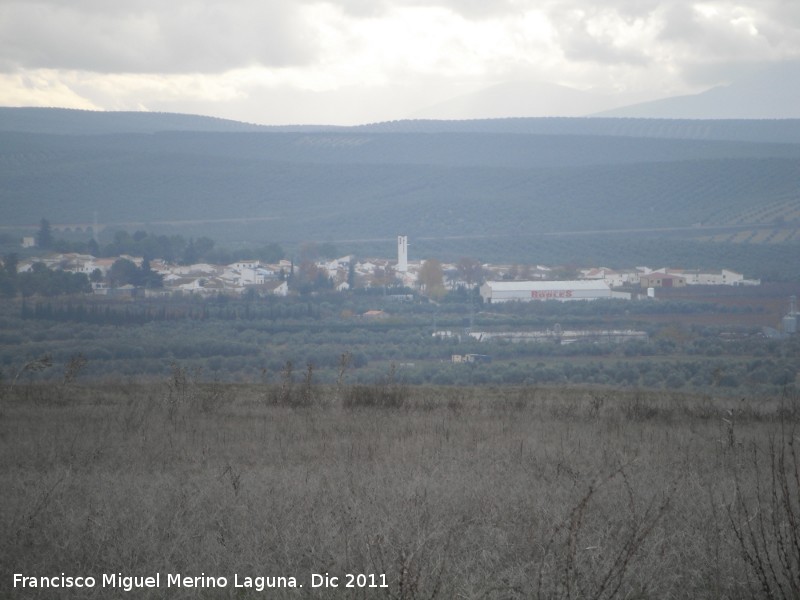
[
  {"x": 471, "y": 358},
  {"x": 374, "y": 315}
]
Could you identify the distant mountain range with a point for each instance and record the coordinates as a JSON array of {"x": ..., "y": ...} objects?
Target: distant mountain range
[
  {"x": 772, "y": 93},
  {"x": 520, "y": 99},
  {"x": 512, "y": 189}
]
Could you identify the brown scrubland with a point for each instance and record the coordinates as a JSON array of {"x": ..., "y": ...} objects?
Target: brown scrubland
[{"x": 527, "y": 492}]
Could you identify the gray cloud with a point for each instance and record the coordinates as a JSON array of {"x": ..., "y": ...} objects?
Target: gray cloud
[
  {"x": 744, "y": 71},
  {"x": 210, "y": 36},
  {"x": 582, "y": 42},
  {"x": 471, "y": 9},
  {"x": 484, "y": 8},
  {"x": 149, "y": 37},
  {"x": 582, "y": 46},
  {"x": 602, "y": 45},
  {"x": 719, "y": 50},
  {"x": 476, "y": 8},
  {"x": 706, "y": 36},
  {"x": 362, "y": 8}
]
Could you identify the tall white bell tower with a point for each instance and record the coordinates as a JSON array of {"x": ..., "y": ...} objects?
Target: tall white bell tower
[{"x": 402, "y": 253}]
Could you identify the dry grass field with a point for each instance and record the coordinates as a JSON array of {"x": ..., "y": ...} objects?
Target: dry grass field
[{"x": 438, "y": 492}]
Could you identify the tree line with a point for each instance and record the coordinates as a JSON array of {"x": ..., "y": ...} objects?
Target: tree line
[
  {"x": 237, "y": 339},
  {"x": 39, "y": 280},
  {"x": 171, "y": 248}
]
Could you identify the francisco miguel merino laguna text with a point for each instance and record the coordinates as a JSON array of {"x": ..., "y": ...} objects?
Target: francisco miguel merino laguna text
[{"x": 171, "y": 580}]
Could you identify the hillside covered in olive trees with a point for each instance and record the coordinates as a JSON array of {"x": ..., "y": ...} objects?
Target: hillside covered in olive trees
[{"x": 509, "y": 189}]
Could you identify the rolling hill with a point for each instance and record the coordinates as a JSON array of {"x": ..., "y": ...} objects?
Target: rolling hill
[
  {"x": 500, "y": 188},
  {"x": 73, "y": 121}
]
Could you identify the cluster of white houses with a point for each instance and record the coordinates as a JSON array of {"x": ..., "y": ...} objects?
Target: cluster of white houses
[
  {"x": 666, "y": 277},
  {"x": 503, "y": 282},
  {"x": 201, "y": 278}
]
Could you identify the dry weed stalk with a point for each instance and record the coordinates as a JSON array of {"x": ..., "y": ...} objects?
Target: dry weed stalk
[
  {"x": 32, "y": 366},
  {"x": 186, "y": 392},
  {"x": 766, "y": 523},
  {"x": 390, "y": 392},
  {"x": 580, "y": 576},
  {"x": 419, "y": 567},
  {"x": 28, "y": 519},
  {"x": 76, "y": 364},
  {"x": 234, "y": 478},
  {"x": 306, "y": 394}
]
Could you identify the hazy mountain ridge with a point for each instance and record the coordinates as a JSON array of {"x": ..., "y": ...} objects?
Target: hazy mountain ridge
[
  {"x": 520, "y": 99},
  {"x": 771, "y": 92}
]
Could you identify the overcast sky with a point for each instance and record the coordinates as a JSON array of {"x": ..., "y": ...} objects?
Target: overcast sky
[{"x": 355, "y": 61}]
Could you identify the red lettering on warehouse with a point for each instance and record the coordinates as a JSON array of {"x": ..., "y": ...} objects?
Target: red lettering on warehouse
[{"x": 550, "y": 294}]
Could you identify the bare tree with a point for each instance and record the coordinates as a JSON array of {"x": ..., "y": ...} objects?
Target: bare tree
[
  {"x": 470, "y": 271},
  {"x": 431, "y": 278}
]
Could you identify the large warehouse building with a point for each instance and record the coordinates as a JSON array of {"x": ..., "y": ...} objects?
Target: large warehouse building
[{"x": 527, "y": 291}]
